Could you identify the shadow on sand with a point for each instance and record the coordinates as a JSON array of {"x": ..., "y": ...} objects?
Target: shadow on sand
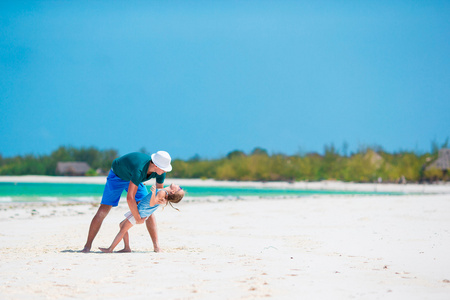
[{"x": 100, "y": 252}]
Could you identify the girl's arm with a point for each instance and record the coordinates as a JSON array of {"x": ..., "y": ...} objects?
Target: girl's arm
[
  {"x": 160, "y": 197},
  {"x": 153, "y": 198}
]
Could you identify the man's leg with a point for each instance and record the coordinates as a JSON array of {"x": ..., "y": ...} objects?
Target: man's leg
[
  {"x": 96, "y": 223},
  {"x": 153, "y": 230},
  {"x": 111, "y": 195}
]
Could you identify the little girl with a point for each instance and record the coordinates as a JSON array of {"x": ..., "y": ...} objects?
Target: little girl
[{"x": 171, "y": 194}]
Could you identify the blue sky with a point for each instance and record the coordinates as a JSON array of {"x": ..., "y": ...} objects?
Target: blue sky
[{"x": 210, "y": 77}]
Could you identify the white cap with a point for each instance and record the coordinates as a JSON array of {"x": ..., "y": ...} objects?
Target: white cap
[{"x": 162, "y": 160}]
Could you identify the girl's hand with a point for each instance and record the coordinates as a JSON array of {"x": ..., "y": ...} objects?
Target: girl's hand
[{"x": 153, "y": 189}]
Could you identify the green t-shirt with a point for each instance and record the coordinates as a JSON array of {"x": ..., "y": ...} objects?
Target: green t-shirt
[{"x": 133, "y": 167}]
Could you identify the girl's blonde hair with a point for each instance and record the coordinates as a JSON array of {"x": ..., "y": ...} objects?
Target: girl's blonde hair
[{"x": 175, "y": 198}]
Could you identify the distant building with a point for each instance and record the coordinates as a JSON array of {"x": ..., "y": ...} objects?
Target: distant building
[
  {"x": 442, "y": 162},
  {"x": 73, "y": 168}
]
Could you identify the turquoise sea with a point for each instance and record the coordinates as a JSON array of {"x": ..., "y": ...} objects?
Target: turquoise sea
[{"x": 51, "y": 192}]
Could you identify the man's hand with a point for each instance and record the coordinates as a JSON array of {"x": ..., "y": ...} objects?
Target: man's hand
[{"x": 140, "y": 221}]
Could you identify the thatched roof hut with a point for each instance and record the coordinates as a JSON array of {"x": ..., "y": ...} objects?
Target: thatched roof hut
[
  {"x": 442, "y": 162},
  {"x": 73, "y": 168}
]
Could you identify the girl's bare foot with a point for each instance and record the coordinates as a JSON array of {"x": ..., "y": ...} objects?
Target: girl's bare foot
[
  {"x": 106, "y": 250},
  {"x": 125, "y": 250}
]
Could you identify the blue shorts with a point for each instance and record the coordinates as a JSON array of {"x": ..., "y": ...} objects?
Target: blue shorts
[{"x": 114, "y": 188}]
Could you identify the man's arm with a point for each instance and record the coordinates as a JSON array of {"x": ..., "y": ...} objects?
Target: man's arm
[{"x": 131, "y": 200}]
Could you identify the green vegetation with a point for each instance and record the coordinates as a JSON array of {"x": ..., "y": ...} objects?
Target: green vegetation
[
  {"x": 46, "y": 165},
  {"x": 369, "y": 164}
]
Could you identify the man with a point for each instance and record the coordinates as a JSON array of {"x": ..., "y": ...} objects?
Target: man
[{"x": 127, "y": 173}]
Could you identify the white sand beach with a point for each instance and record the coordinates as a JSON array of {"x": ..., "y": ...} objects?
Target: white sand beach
[{"x": 317, "y": 247}]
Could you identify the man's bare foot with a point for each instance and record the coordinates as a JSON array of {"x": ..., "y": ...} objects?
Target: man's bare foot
[
  {"x": 125, "y": 250},
  {"x": 105, "y": 250},
  {"x": 157, "y": 249},
  {"x": 86, "y": 250}
]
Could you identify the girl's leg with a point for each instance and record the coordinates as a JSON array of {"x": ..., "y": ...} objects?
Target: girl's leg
[
  {"x": 124, "y": 227},
  {"x": 140, "y": 194},
  {"x": 126, "y": 242}
]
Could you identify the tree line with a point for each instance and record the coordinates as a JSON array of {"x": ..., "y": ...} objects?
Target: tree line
[
  {"x": 46, "y": 164},
  {"x": 369, "y": 164}
]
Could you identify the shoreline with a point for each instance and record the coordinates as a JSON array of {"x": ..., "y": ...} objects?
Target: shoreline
[{"x": 329, "y": 185}]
